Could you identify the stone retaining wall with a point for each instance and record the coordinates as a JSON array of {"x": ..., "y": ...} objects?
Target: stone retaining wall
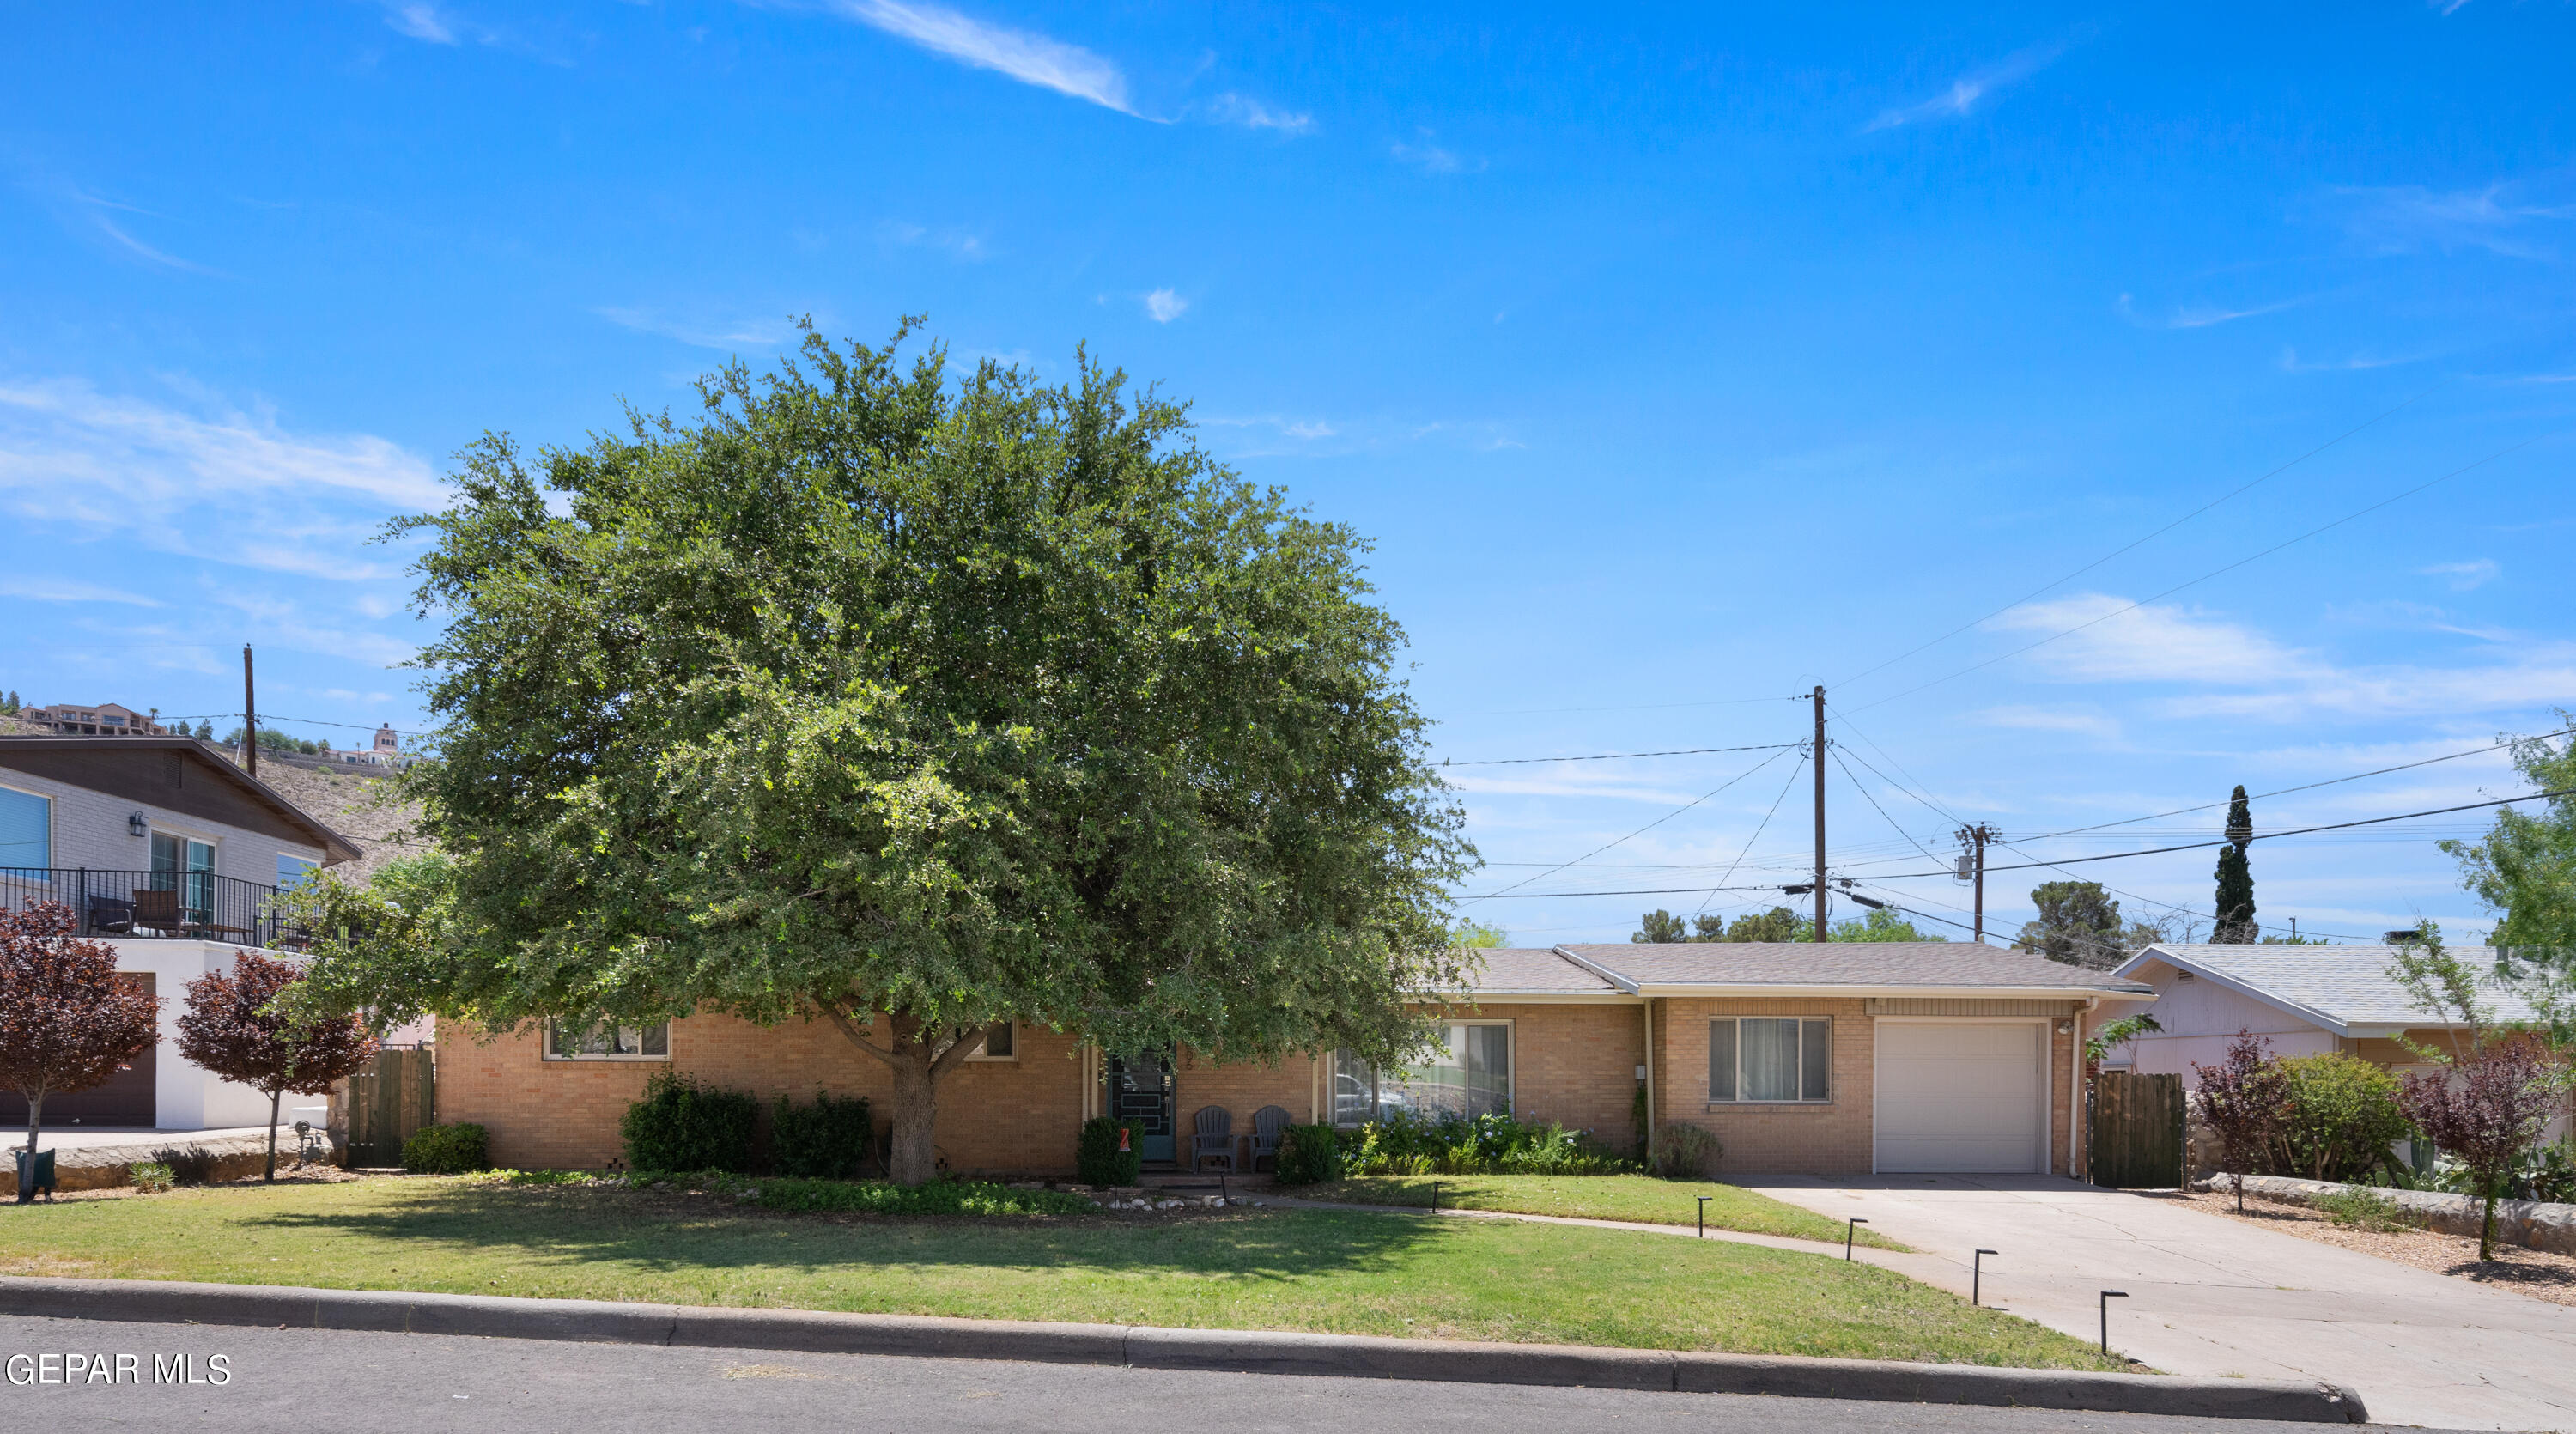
[
  {"x": 102, "y": 1167},
  {"x": 2532, "y": 1224}
]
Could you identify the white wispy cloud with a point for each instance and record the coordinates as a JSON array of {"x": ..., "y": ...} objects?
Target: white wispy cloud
[
  {"x": 1163, "y": 306},
  {"x": 1971, "y": 89},
  {"x": 2231, "y": 669},
  {"x": 1023, "y": 55},
  {"x": 39, "y": 589},
  {"x": 958, "y": 243},
  {"x": 218, "y": 483},
  {"x": 2464, "y": 575},
  {"x": 2405, "y": 219},
  {"x": 701, "y": 333},
  {"x": 1425, "y": 153},
  {"x": 2199, "y": 316},
  {"x": 1250, "y": 113},
  {"x": 2052, "y": 719},
  {"x": 420, "y": 21},
  {"x": 2292, "y": 363}
]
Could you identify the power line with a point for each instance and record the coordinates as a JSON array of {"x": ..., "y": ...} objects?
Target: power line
[
  {"x": 1641, "y": 831},
  {"x": 2073, "y": 860},
  {"x": 1616, "y": 756},
  {"x": 2216, "y": 572},
  {"x": 1729, "y": 873},
  {"x": 2158, "y": 533},
  {"x": 2311, "y": 786},
  {"x": 1873, "y": 802}
]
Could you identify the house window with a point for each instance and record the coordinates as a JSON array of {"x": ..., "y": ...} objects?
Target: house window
[
  {"x": 291, "y": 871},
  {"x": 1468, "y": 1074},
  {"x": 607, "y": 1041},
  {"x": 26, "y": 830},
  {"x": 1770, "y": 1059},
  {"x": 1001, "y": 1043}
]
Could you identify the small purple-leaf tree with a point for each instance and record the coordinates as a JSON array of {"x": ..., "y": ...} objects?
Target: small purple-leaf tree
[
  {"x": 66, "y": 1022},
  {"x": 236, "y": 1027},
  {"x": 2485, "y": 1109},
  {"x": 2242, "y": 1098}
]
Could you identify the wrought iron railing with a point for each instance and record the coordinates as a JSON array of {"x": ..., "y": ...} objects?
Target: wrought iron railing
[{"x": 174, "y": 905}]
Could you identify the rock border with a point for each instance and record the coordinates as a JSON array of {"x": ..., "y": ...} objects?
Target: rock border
[
  {"x": 2532, "y": 1224},
  {"x": 1143, "y": 1347}
]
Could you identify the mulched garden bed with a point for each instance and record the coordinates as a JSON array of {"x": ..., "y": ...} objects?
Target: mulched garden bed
[{"x": 2537, "y": 1273}]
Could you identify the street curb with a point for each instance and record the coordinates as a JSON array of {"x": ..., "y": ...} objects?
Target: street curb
[{"x": 1141, "y": 1347}]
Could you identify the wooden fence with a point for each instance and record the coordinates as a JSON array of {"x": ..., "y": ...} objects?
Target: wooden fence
[
  {"x": 2137, "y": 1131},
  {"x": 392, "y": 1096}
]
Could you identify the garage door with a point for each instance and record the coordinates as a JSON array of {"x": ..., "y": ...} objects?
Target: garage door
[{"x": 1960, "y": 1096}]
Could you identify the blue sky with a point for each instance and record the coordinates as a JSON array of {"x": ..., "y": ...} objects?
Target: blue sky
[{"x": 1676, "y": 361}]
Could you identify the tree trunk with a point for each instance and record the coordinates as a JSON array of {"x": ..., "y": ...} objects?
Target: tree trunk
[
  {"x": 2486, "y": 1230},
  {"x": 35, "y": 1118},
  {"x": 914, "y": 1159},
  {"x": 273, "y": 1097}
]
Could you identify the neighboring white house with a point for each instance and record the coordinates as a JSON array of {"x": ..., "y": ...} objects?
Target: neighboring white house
[{"x": 172, "y": 855}]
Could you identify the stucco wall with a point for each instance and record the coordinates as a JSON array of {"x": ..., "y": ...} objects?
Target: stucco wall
[{"x": 186, "y": 1096}]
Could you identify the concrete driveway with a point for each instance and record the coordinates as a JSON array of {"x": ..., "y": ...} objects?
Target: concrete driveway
[{"x": 2213, "y": 1296}]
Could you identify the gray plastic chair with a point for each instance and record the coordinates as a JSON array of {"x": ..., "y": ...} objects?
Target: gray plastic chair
[
  {"x": 1268, "y": 1124},
  {"x": 1212, "y": 1137}
]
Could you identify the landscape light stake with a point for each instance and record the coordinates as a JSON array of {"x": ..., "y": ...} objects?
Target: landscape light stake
[
  {"x": 2107, "y": 1297},
  {"x": 1848, "y": 1231},
  {"x": 1976, "y": 1274},
  {"x": 1703, "y": 1216},
  {"x": 1435, "y": 1197}
]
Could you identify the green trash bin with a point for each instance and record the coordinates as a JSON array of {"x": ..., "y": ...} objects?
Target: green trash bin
[{"x": 35, "y": 1172}]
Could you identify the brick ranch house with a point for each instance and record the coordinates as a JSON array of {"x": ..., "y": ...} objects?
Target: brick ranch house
[{"x": 1844, "y": 1058}]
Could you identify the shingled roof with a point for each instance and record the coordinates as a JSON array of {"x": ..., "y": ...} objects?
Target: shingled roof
[
  {"x": 2342, "y": 988},
  {"x": 1686, "y": 967}
]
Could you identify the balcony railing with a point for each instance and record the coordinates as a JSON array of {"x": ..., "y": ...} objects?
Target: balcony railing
[{"x": 171, "y": 905}]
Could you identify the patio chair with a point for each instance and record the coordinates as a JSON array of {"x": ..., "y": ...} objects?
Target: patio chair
[
  {"x": 158, "y": 911},
  {"x": 1268, "y": 1124},
  {"x": 113, "y": 914},
  {"x": 1212, "y": 1137}
]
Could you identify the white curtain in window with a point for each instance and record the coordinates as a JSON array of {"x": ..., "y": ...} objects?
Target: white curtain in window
[{"x": 1770, "y": 1059}]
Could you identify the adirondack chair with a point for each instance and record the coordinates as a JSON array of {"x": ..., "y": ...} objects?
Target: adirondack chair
[
  {"x": 1268, "y": 1124},
  {"x": 1212, "y": 1137},
  {"x": 157, "y": 910}
]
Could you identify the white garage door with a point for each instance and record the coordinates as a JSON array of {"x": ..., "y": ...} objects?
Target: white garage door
[{"x": 1961, "y": 1096}]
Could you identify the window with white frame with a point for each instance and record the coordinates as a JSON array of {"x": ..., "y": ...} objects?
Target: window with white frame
[
  {"x": 1468, "y": 1074},
  {"x": 26, "y": 830},
  {"x": 607, "y": 1041},
  {"x": 1001, "y": 1043},
  {"x": 1770, "y": 1060}
]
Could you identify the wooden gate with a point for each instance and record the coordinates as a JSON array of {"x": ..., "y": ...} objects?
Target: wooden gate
[
  {"x": 389, "y": 1098},
  {"x": 2137, "y": 1131}
]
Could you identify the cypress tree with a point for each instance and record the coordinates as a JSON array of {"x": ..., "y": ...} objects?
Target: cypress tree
[{"x": 2235, "y": 925}]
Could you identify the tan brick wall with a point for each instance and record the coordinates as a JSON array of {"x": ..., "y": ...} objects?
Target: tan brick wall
[
  {"x": 1575, "y": 1065},
  {"x": 1002, "y": 1117},
  {"x": 1828, "y": 1138}
]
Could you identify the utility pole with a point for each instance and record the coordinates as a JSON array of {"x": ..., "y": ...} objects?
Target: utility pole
[
  {"x": 1974, "y": 860},
  {"x": 1820, "y": 814},
  {"x": 250, "y": 717}
]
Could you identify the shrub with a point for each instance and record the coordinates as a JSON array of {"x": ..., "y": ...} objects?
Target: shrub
[
  {"x": 1309, "y": 1155},
  {"x": 2339, "y": 1116},
  {"x": 1684, "y": 1152},
  {"x": 448, "y": 1149},
  {"x": 680, "y": 1124},
  {"x": 152, "y": 1177},
  {"x": 2358, "y": 1207},
  {"x": 829, "y": 1139},
  {"x": 1097, "y": 1158},
  {"x": 187, "y": 1164},
  {"x": 1493, "y": 1144},
  {"x": 877, "y": 1197}
]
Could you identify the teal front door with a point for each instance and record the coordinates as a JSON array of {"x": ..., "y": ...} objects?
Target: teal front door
[{"x": 1140, "y": 1089}]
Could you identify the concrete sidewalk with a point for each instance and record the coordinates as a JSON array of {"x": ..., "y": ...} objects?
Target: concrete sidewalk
[{"x": 2213, "y": 1296}]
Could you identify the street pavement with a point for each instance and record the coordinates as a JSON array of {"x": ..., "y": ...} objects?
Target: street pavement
[
  {"x": 2213, "y": 1296},
  {"x": 276, "y": 1379}
]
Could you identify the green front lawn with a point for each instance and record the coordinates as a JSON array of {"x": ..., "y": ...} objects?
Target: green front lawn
[
  {"x": 1640, "y": 1198},
  {"x": 1351, "y": 1271}
]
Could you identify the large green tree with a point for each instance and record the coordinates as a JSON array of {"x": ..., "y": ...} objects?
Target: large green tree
[
  {"x": 2079, "y": 924},
  {"x": 910, "y": 701},
  {"x": 2235, "y": 904},
  {"x": 2525, "y": 869}
]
